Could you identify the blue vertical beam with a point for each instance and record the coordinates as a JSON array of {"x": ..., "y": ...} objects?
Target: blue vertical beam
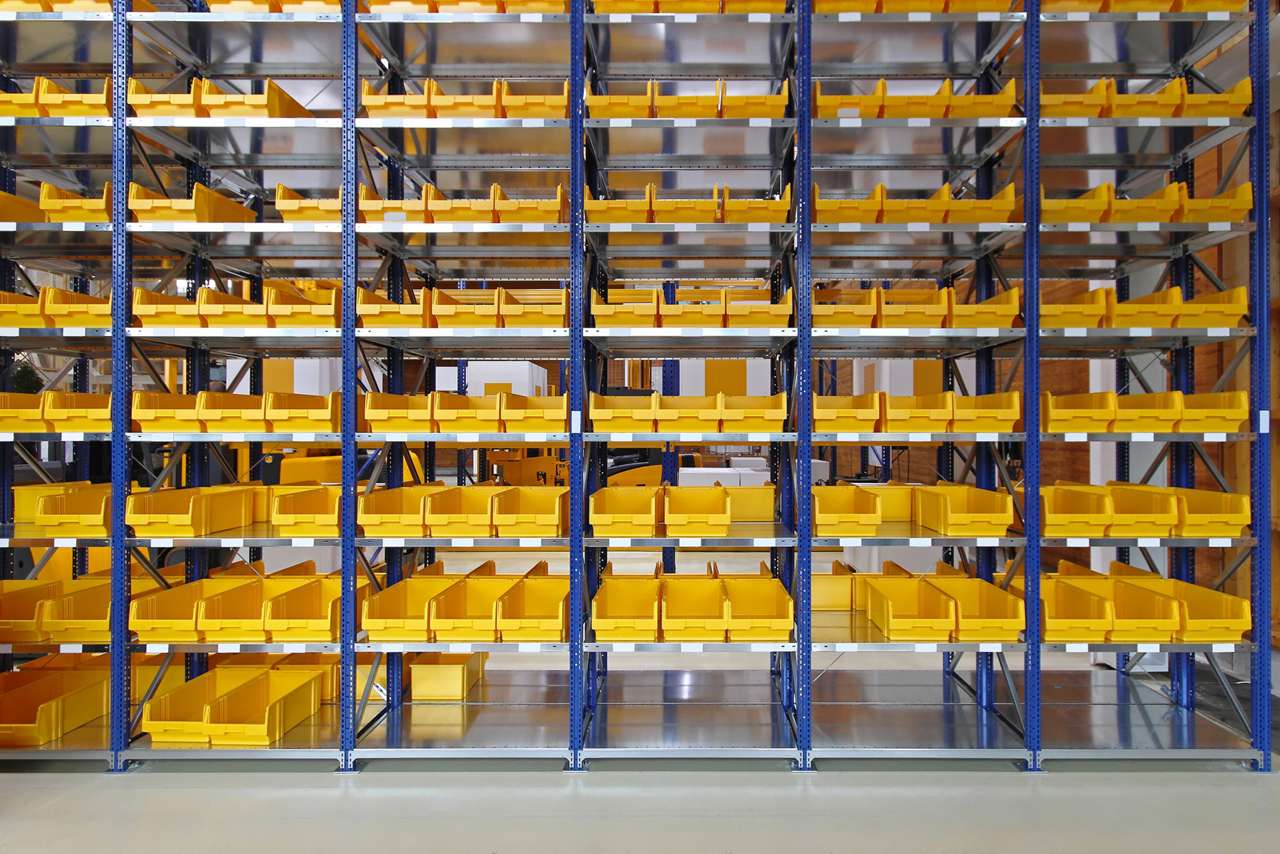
[
  {"x": 121, "y": 381},
  {"x": 577, "y": 378},
  {"x": 1260, "y": 384},
  {"x": 803, "y": 384},
  {"x": 1031, "y": 378},
  {"x": 347, "y": 522},
  {"x": 670, "y": 462},
  {"x": 80, "y": 450}
]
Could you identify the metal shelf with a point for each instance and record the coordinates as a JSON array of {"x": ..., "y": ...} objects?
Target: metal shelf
[{"x": 692, "y": 438}]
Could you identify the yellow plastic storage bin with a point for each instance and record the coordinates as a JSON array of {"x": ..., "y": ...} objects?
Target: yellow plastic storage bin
[
  {"x": 294, "y": 207},
  {"x": 933, "y": 209},
  {"x": 75, "y": 514},
  {"x": 66, "y": 309},
  {"x": 998, "y": 312},
  {"x": 467, "y": 307},
  {"x": 205, "y": 205},
  {"x": 963, "y": 511},
  {"x": 845, "y": 308},
  {"x": 228, "y": 310},
  {"x": 700, "y": 307},
  {"x": 452, "y": 413},
  {"x": 834, "y": 590},
  {"x": 398, "y": 613},
  {"x": 753, "y": 308},
  {"x": 984, "y": 612},
  {"x": 377, "y": 312},
  {"x": 535, "y": 609},
  {"x": 273, "y": 102},
  {"x": 685, "y": 106},
  {"x": 626, "y": 511},
  {"x": 20, "y": 311},
  {"x": 845, "y": 510},
  {"x": 20, "y": 608},
  {"x": 1205, "y": 615},
  {"x": 1157, "y": 310},
  {"x": 236, "y": 615},
  {"x": 169, "y": 616},
  {"x": 1072, "y": 613},
  {"x": 1141, "y": 614},
  {"x": 398, "y": 512},
  {"x": 64, "y": 206},
  {"x": 1160, "y": 206},
  {"x": 462, "y": 511},
  {"x": 1154, "y": 413},
  {"x": 176, "y": 718},
  {"x": 1214, "y": 412},
  {"x": 300, "y": 413},
  {"x": 626, "y": 610},
  {"x": 752, "y": 503},
  {"x": 760, "y": 609},
  {"x": 1209, "y": 513},
  {"x": 1231, "y": 103},
  {"x": 857, "y": 413},
  {"x": 865, "y": 210},
  {"x": 697, "y": 511},
  {"x": 552, "y": 210},
  {"x": 696, "y": 414},
  {"x": 1092, "y": 206},
  {"x": 1085, "y": 311},
  {"x": 540, "y": 105},
  {"x": 398, "y": 412},
  {"x": 757, "y": 210},
  {"x": 694, "y": 609},
  {"x": 687, "y": 210},
  {"x": 772, "y": 106},
  {"x": 534, "y": 414},
  {"x": 1066, "y": 511},
  {"x": 897, "y": 502},
  {"x": 225, "y": 412},
  {"x": 998, "y": 208},
  {"x": 925, "y": 308},
  {"x": 624, "y": 413},
  {"x": 1231, "y": 206},
  {"x": 188, "y": 512},
  {"x": 997, "y": 413},
  {"x": 22, "y": 104},
  {"x": 307, "y": 513},
  {"x": 1094, "y": 103},
  {"x": 919, "y": 106},
  {"x": 382, "y": 104},
  {"x": 910, "y": 413},
  {"x": 52, "y": 705},
  {"x": 1092, "y": 412},
  {"x": 631, "y": 308},
  {"x": 374, "y": 208},
  {"x": 441, "y": 208},
  {"x": 146, "y": 102},
  {"x": 15, "y": 208},
  {"x": 533, "y": 307},
  {"x": 888, "y": 569},
  {"x": 20, "y": 413},
  {"x": 307, "y": 612},
  {"x": 745, "y": 413},
  {"x": 971, "y": 106},
  {"x": 1165, "y": 102},
  {"x": 259, "y": 713},
  {"x": 295, "y": 307},
  {"x": 1215, "y": 310},
  {"x": 1141, "y": 512},
  {"x": 531, "y": 511},
  {"x": 444, "y": 677},
  {"x": 856, "y": 105},
  {"x": 468, "y": 610},
  {"x": 478, "y": 105},
  {"x": 910, "y": 609},
  {"x": 65, "y": 411},
  {"x": 165, "y": 310}
]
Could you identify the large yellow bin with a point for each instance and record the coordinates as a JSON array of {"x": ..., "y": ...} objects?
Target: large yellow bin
[
  {"x": 468, "y": 610},
  {"x": 20, "y": 608},
  {"x": 1084, "y": 311},
  {"x": 857, "y": 105},
  {"x": 81, "y": 614},
  {"x": 1141, "y": 614},
  {"x": 377, "y": 312},
  {"x": 228, "y": 310},
  {"x": 305, "y": 308},
  {"x": 626, "y": 307},
  {"x": 176, "y": 718},
  {"x": 306, "y": 613},
  {"x": 51, "y": 706},
  {"x": 1066, "y": 511},
  {"x": 845, "y": 510},
  {"x": 452, "y": 413},
  {"x": 299, "y": 413},
  {"x": 62, "y": 309},
  {"x": 694, "y": 608},
  {"x": 398, "y": 614},
  {"x": 398, "y": 412},
  {"x": 910, "y": 609},
  {"x": 1093, "y": 412},
  {"x": 462, "y": 511},
  {"x": 986, "y": 412},
  {"x": 963, "y": 511},
  {"x": 613, "y": 210},
  {"x": 921, "y": 308},
  {"x": 534, "y": 105},
  {"x": 626, "y": 609},
  {"x": 225, "y": 412},
  {"x": 531, "y": 511},
  {"x": 1215, "y": 310},
  {"x": 1158, "y": 310},
  {"x": 845, "y": 308},
  {"x": 259, "y": 712},
  {"x": 984, "y": 612},
  {"x": 552, "y": 210},
  {"x": 1205, "y": 615},
  {"x": 444, "y": 677},
  {"x": 1073, "y": 614},
  {"x": 535, "y": 609},
  {"x": 696, "y": 307},
  {"x": 760, "y": 609},
  {"x": 205, "y": 205},
  {"x": 169, "y": 616},
  {"x": 539, "y": 308},
  {"x": 534, "y": 414},
  {"x": 75, "y": 411},
  {"x": 21, "y": 312},
  {"x": 926, "y": 413},
  {"x": 746, "y": 414},
  {"x": 1094, "y": 103},
  {"x": 20, "y": 413},
  {"x": 697, "y": 511},
  {"x": 865, "y": 210},
  {"x": 188, "y": 512},
  {"x": 934, "y": 209},
  {"x": 273, "y": 102},
  {"x": 676, "y": 414},
  {"x": 307, "y": 513},
  {"x": 1214, "y": 412},
  {"x": 398, "y": 512},
  {"x": 888, "y": 569},
  {"x": 626, "y": 511},
  {"x": 998, "y": 312},
  {"x": 74, "y": 514},
  {"x": 623, "y": 413},
  {"x": 1092, "y": 206},
  {"x": 237, "y": 615},
  {"x": 165, "y": 310},
  {"x": 846, "y": 413},
  {"x": 472, "y": 308},
  {"x": 1231, "y": 206},
  {"x": 1159, "y": 412}
]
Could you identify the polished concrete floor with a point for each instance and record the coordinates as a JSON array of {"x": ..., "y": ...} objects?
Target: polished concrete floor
[{"x": 616, "y": 809}]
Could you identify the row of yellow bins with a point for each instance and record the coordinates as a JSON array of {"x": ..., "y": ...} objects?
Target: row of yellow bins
[
  {"x": 447, "y": 412},
  {"x": 205, "y": 99},
  {"x": 706, "y": 306},
  {"x": 879, "y": 411},
  {"x": 949, "y": 509},
  {"x": 234, "y": 706},
  {"x": 54, "y": 412},
  {"x": 708, "y": 608},
  {"x": 721, "y": 206},
  {"x": 1172, "y": 203},
  {"x": 146, "y": 205},
  {"x": 943, "y": 103},
  {"x": 683, "y": 511},
  {"x": 498, "y": 101},
  {"x": 716, "y": 104},
  {"x": 661, "y": 413},
  {"x": 941, "y": 607},
  {"x": 938, "y": 207},
  {"x": 1157, "y": 412},
  {"x": 913, "y": 307},
  {"x": 1165, "y": 309},
  {"x": 215, "y": 411},
  {"x": 495, "y": 308},
  {"x": 480, "y": 606},
  {"x": 1134, "y": 510},
  {"x": 437, "y": 510},
  {"x": 1132, "y": 605},
  {"x": 431, "y": 206},
  {"x": 1104, "y": 100},
  {"x": 702, "y": 7}
]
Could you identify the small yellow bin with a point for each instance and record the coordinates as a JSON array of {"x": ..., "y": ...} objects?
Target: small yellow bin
[
  {"x": 444, "y": 677},
  {"x": 1215, "y": 310},
  {"x": 273, "y": 103},
  {"x": 64, "y": 411},
  {"x": 377, "y": 312},
  {"x": 236, "y": 615},
  {"x": 466, "y": 307},
  {"x": 1231, "y": 103},
  {"x": 997, "y": 413},
  {"x": 626, "y": 511},
  {"x": 1141, "y": 614},
  {"x": 20, "y": 413},
  {"x": 699, "y": 106},
  {"x": 934, "y": 209},
  {"x": 1160, "y": 206},
  {"x": 752, "y": 503},
  {"x": 306, "y": 613},
  {"x": 911, "y": 413},
  {"x": 1215, "y": 412},
  {"x": 225, "y": 412},
  {"x": 694, "y": 609},
  {"x": 919, "y": 106},
  {"x": 700, "y": 307},
  {"x": 760, "y": 609},
  {"x": 626, "y": 609},
  {"x": 398, "y": 412},
  {"x": 1141, "y": 512},
  {"x": 303, "y": 413},
  {"x": 753, "y": 308},
  {"x": 295, "y": 207},
  {"x": 747, "y": 414},
  {"x": 159, "y": 412},
  {"x": 205, "y": 205},
  {"x": 916, "y": 308},
  {"x": 528, "y": 414},
  {"x": 68, "y": 309},
  {"x": 20, "y": 603},
  {"x": 1231, "y": 206},
  {"x": 21, "y": 104},
  {"x": 534, "y": 105},
  {"x": 984, "y": 612},
  {"x": 910, "y": 609},
  {"x": 998, "y": 312},
  {"x": 834, "y": 590},
  {"x": 1092, "y": 206},
  {"x": 687, "y": 210},
  {"x": 868, "y": 106},
  {"x": 1071, "y": 613},
  {"x": 963, "y": 511},
  {"x": 998, "y": 208},
  {"x": 169, "y": 616},
  {"x": 623, "y": 106},
  {"x": 1147, "y": 413},
  {"x": 533, "y": 307},
  {"x": 1003, "y": 103},
  {"x": 757, "y": 210},
  {"x": 19, "y": 311},
  {"x": 535, "y": 609},
  {"x": 1092, "y": 104},
  {"x": 52, "y": 705},
  {"x": 145, "y": 102},
  {"x": 462, "y": 511},
  {"x": 374, "y": 208},
  {"x": 1086, "y": 311},
  {"x": 865, "y": 210},
  {"x": 1157, "y": 310},
  {"x": 81, "y": 615},
  {"x": 468, "y": 610},
  {"x": 552, "y": 210},
  {"x": 1066, "y": 511},
  {"x": 75, "y": 514},
  {"x": 696, "y": 511},
  {"x": 220, "y": 309},
  {"x": 857, "y": 413},
  {"x": 845, "y": 510},
  {"x": 398, "y": 614},
  {"x": 772, "y": 106},
  {"x": 295, "y": 307},
  {"x": 1208, "y": 513},
  {"x": 188, "y": 512},
  {"x": 478, "y": 105},
  {"x": 624, "y": 413},
  {"x": 531, "y": 511},
  {"x": 845, "y": 308},
  {"x": 441, "y": 208},
  {"x": 453, "y": 413},
  {"x": 675, "y": 414},
  {"x": 258, "y": 713},
  {"x": 15, "y": 208},
  {"x": 382, "y": 104},
  {"x": 308, "y": 513},
  {"x": 1165, "y": 102},
  {"x": 626, "y": 308},
  {"x": 398, "y": 512},
  {"x": 165, "y": 310},
  {"x": 64, "y": 206}
]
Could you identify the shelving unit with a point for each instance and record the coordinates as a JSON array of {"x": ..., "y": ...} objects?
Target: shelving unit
[{"x": 577, "y": 708}]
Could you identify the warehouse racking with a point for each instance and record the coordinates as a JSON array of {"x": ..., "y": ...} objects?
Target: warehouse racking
[{"x": 581, "y": 710}]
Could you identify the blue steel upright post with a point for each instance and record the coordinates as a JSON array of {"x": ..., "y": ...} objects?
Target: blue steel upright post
[
  {"x": 1260, "y": 384},
  {"x": 347, "y": 521},
  {"x": 121, "y": 381},
  {"x": 577, "y": 378},
  {"x": 803, "y": 383},
  {"x": 1031, "y": 380}
]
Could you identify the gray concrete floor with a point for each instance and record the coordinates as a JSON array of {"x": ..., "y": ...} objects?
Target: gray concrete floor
[{"x": 746, "y": 809}]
